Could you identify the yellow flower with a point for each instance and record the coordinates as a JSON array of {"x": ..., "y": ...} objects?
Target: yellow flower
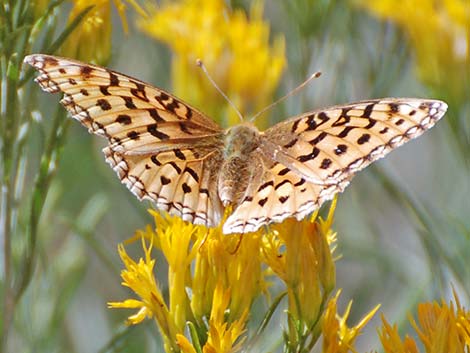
[
  {"x": 300, "y": 254},
  {"x": 184, "y": 344},
  {"x": 305, "y": 264},
  {"x": 235, "y": 50},
  {"x": 139, "y": 277},
  {"x": 441, "y": 328},
  {"x": 201, "y": 263},
  {"x": 337, "y": 336},
  {"x": 91, "y": 40},
  {"x": 440, "y": 34},
  {"x": 392, "y": 342},
  {"x": 233, "y": 259},
  {"x": 222, "y": 335}
]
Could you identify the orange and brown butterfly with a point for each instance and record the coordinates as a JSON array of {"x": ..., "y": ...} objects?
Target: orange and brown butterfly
[{"x": 167, "y": 152}]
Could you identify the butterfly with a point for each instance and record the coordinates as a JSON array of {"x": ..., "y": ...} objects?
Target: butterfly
[{"x": 167, "y": 152}]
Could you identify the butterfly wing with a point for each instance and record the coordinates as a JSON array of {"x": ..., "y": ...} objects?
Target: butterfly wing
[
  {"x": 161, "y": 148},
  {"x": 315, "y": 155}
]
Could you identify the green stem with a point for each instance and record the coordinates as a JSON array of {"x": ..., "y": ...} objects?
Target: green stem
[
  {"x": 9, "y": 99},
  {"x": 41, "y": 187}
]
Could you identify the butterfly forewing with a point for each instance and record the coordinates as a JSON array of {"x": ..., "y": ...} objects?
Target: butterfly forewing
[
  {"x": 328, "y": 145},
  {"x": 167, "y": 152},
  {"x": 161, "y": 148}
]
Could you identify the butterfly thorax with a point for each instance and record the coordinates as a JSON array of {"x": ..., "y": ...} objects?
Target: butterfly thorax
[{"x": 240, "y": 142}]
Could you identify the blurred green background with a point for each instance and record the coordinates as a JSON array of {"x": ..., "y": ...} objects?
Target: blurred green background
[{"x": 403, "y": 224}]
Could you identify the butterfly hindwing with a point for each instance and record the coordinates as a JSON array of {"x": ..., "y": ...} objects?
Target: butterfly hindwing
[
  {"x": 275, "y": 193},
  {"x": 184, "y": 186}
]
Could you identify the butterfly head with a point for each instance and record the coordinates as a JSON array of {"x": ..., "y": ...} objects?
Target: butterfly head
[{"x": 241, "y": 140}]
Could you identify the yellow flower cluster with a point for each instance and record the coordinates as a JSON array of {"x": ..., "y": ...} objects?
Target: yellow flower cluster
[
  {"x": 213, "y": 279},
  {"x": 234, "y": 48},
  {"x": 337, "y": 336},
  {"x": 441, "y": 328},
  {"x": 306, "y": 267},
  {"x": 440, "y": 33},
  {"x": 91, "y": 40}
]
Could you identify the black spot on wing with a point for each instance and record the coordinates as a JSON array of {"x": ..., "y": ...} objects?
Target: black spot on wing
[
  {"x": 346, "y": 131},
  {"x": 113, "y": 79},
  {"x": 175, "y": 167},
  {"x": 164, "y": 180},
  {"x": 384, "y": 130},
  {"x": 179, "y": 154},
  {"x": 152, "y": 129},
  {"x": 323, "y": 118},
  {"x": 191, "y": 172},
  {"x": 155, "y": 116},
  {"x": 265, "y": 185},
  {"x": 310, "y": 156},
  {"x": 139, "y": 91},
  {"x": 363, "y": 139},
  {"x": 186, "y": 188},
  {"x": 129, "y": 103},
  {"x": 394, "y": 107},
  {"x": 283, "y": 199},
  {"x": 184, "y": 128},
  {"x": 281, "y": 183},
  {"x": 340, "y": 149},
  {"x": 325, "y": 163},
  {"x": 103, "y": 104},
  {"x": 295, "y": 125},
  {"x": 155, "y": 160},
  {"x": 133, "y": 135},
  {"x": 317, "y": 139},
  {"x": 262, "y": 202},
  {"x": 172, "y": 107},
  {"x": 399, "y": 122},
  {"x": 162, "y": 96},
  {"x": 283, "y": 171},
  {"x": 291, "y": 143},
  {"x": 104, "y": 90},
  {"x": 368, "y": 110},
  {"x": 124, "y": 119},
  {"x": 342, "y": 120},
  {"x": 85, "y": 71},
  {"x": 311, "y": 123},
  {"x": 371, "y": 124}
]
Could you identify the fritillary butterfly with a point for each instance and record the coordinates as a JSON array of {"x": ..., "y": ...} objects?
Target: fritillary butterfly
[{"x": 167, "y": 152}]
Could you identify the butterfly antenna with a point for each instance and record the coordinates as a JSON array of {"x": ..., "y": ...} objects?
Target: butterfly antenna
[
  {"x": 203, "y": 67},
  {"x": 291, "y": 93}
]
